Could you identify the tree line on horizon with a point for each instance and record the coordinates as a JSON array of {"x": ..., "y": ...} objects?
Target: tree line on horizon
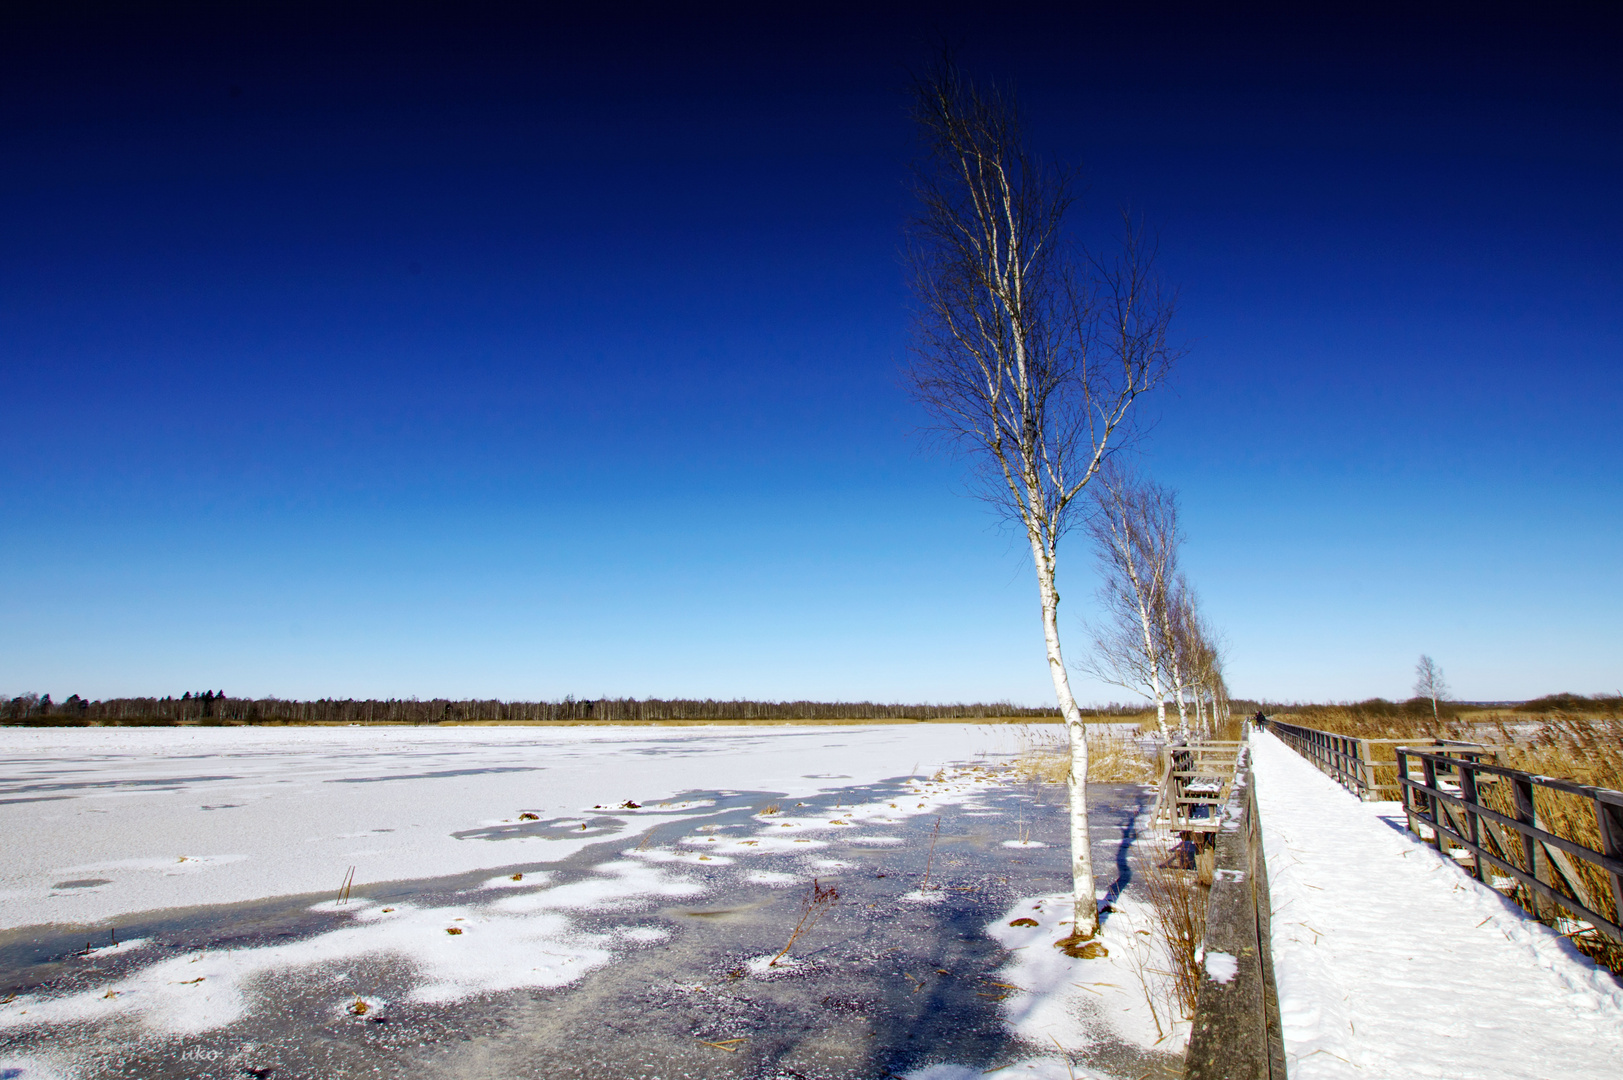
[
  {"x": 1381, "y": 708},
  {"x": 218, "y": 708}
]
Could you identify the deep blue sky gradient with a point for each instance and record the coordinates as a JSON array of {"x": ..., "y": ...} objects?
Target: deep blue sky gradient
[{"x": 484, "y": 352}]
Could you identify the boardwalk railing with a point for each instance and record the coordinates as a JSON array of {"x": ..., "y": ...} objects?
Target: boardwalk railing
[
  {"x": 1366, "y": 767},
  {"x": 1196, "y": 779},
  {"x": 1478, "y": 812}
]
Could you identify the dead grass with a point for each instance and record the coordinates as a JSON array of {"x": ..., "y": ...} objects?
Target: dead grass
[
  {"x": 1117, "y": 760},
  {"x": 818, "y": 902},
  {"x": 1177, "y": 899},
  {"x": 1045, "y": 758}
]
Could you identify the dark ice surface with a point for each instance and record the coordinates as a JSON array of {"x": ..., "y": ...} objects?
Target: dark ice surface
[{"x": 882, "y": 985}]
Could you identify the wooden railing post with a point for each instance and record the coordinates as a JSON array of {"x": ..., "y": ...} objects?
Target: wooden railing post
[
  {"x": 1429, "y": 772},
  {"x": 1473, "y": 822},
  {"x": 1525, "y": 813},
  {"x": 1366, "y": 757},
  {"x": 1609, "y": 816},
  {"x": 1404, "y": 792}
]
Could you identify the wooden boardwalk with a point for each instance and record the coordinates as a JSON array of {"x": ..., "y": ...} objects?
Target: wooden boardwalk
[{"x": 1391, "y": 962}]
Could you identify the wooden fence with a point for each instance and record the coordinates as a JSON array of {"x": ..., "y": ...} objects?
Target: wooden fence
[
  {"x": 1488, "y": 814},
  {"x": 1366, "y": 767}
]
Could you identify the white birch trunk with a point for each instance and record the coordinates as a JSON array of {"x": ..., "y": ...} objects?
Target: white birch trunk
[
  {"x": 1171, "y": 651},
  {"x": 1153, "y": 659},
  {"x": 1083, "y": 896}
]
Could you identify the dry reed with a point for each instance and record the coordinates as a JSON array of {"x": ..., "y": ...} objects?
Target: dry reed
[
  {"x": 935, "y": 834},
  {"x": 1045, "y": 757},
  {"x": 818, "y": 901},
  {"x": 1177, "y": 900}
]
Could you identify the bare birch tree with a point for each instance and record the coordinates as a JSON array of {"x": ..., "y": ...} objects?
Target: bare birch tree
[
  {"x": 1179, "y": 629},
  {"x": 1134, "y": 532},
  {"x": 1202, "y": 651},
  {"x": 1428, "y": 683},
  {"x": 1027, "y": 354}
]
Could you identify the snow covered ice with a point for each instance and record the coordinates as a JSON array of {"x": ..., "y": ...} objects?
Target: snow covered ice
[{"x": 495, "y": 864}]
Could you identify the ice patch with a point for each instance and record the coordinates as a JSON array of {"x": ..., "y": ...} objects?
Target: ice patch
[
  {"x": 29, "y": 1068},
  {"x": 643, "y": 935},
  {"x": 619, "y": 885},
  {"x": 770, "y": 844},
  {"x": 293, "y": 795},
  {"x": 166, "y": 866},
  {"x": 509, "y": 943}
]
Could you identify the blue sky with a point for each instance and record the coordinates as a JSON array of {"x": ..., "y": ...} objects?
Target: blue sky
[{"x": 506, "y": 355}]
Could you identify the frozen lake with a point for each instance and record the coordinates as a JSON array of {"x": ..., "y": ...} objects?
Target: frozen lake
[{"x": 589, "y": 902}]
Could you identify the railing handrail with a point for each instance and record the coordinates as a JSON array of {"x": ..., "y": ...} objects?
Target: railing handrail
[
  {"x": 1426, "y": 801},
  {"x": 1410, "y": 741},
  {"x": 1571, "y": 787},
  {"x": 1543, "y": 835},
  {"x": 1347, "y": 759}
]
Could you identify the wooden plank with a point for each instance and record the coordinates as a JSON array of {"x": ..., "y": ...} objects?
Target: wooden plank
[
  {"x": 1473, "y": 820},
  {"x": 1561, "y": 863},
  {"x": 1569, "y": 786},
  {"x": 1609, "y": 819},
  {"x": 1235, "y": 1027},
  {"x": 1428, "y": 770}
]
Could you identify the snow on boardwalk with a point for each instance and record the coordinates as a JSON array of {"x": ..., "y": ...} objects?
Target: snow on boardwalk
[{"x": 1392, "y": 963}]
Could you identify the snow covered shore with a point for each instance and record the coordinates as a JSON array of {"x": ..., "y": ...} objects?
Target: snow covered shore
[{"x": 1392, "y": 963}]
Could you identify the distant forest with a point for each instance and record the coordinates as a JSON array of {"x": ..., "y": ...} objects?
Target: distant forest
[
  {"x": 1380, "y": 708},
  {"x": 216, "y": 708}
]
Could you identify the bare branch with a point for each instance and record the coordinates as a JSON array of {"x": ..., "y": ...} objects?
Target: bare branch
[{"x": 1027, "y": 354}]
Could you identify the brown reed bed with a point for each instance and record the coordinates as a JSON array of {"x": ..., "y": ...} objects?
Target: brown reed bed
[{"x": 1045, "y": 758}]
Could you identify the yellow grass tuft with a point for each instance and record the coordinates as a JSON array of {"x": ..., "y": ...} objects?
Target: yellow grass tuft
[{"x": 1045, "y": 758}]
